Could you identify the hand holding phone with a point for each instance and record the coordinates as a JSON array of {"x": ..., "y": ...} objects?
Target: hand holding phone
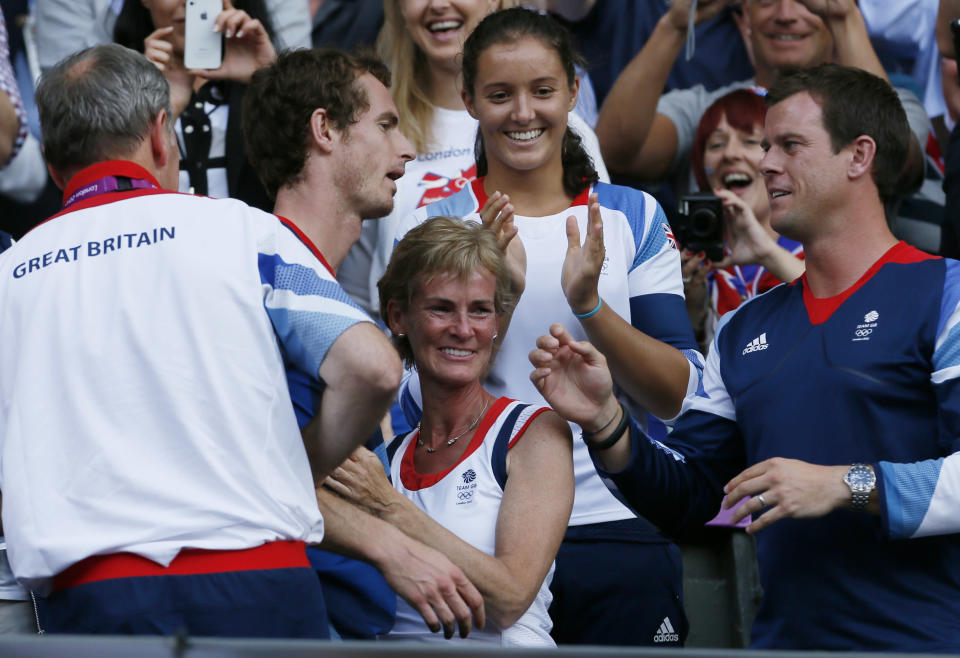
[{"x": 246, "y": 47}]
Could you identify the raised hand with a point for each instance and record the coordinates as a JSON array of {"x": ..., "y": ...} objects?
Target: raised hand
[
  {"x": 747, "y": 241},
  {"x": 830, "y": 9},
  {"x": 158, "y": 48},
  {"x": 497, "y": 215},
  {"x": 706, "y": 9},
  {"x": 247, "y": 47},
  {"x": 694, "y": 269},
  {"x": 582, "y": 264},
  {"x": 573, "y": 377}
]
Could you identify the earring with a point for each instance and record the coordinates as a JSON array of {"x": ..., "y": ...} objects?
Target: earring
[{"x": 495, "y": 337}]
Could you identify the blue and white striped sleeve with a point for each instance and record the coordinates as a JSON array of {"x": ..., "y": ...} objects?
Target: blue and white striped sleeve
[
  {"x": 923, "y": 498},
  {"x": 713, "y": 397},
  {"x": 307, "y": 307},
  {"x": 657, "y": 306}
]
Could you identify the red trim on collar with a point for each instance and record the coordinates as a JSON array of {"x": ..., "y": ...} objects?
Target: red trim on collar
[
  {"x": 819, "y": 310},
  {"x": 108, "y": 197},
  {"x": 308, "y": 242},
  {"x": 415, "y": 481},
  {"x": 477, "y": 184},
  {"x": 103, "y": 169},
  {"x": 583, "y": 198}
]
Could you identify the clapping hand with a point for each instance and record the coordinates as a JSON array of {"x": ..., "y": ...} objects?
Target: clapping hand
[
  {"x": 694, "y": 268},
  {"x": 497, "y": 215},
  {"x": 583, "y": 263}
]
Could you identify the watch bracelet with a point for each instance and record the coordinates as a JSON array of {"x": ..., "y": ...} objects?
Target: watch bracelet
[{"x": 859, "y": 500}]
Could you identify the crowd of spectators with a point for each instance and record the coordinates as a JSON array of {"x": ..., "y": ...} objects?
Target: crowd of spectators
[{"x": 573, "y": 131}]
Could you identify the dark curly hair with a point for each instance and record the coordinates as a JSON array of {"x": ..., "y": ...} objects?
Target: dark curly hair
[
  {"x": 281, "y": 98},
  {"x": 510, "y": 26}
]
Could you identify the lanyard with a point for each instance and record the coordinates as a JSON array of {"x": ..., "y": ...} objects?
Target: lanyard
[{"x": 108, "y": 184}]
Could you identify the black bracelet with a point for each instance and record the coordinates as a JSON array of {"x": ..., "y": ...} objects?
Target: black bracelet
[{"x": 611, "y": 440}]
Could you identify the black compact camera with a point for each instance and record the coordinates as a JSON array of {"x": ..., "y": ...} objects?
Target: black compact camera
[{"x": 699, "y": 225}]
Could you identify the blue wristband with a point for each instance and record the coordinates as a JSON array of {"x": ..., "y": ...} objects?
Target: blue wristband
[{"x": 581, "y": 316}]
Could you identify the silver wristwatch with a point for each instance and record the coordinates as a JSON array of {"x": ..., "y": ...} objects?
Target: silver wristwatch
[{"x": 862, "y": 481}]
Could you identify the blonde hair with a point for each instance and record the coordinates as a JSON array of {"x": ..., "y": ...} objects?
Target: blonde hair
[
  {"x": 441, "y": 245},
  {"x": 408, "y": 66}
]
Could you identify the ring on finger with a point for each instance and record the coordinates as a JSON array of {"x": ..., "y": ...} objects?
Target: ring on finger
[{"x": 763, "y": 503}]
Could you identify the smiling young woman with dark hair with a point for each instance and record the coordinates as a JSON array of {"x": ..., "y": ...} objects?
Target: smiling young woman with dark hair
[{"x": 421, "y": 42}]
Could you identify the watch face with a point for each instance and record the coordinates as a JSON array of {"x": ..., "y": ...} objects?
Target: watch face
[{"x": 860, "y": 479}]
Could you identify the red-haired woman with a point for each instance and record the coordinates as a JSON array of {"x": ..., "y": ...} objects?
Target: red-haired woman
[{"x": 725, "y": 159}]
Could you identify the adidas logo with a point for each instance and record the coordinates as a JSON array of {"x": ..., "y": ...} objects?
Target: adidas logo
[
  {"x": 757, "y": 344},
  {"x": 666, "y": 633}
]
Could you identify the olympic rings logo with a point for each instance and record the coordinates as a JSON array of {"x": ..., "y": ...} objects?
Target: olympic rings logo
[{"x": 863, "y": 332}]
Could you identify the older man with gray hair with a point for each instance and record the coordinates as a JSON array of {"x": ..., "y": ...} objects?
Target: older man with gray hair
[{"x": 153, "y": 474}]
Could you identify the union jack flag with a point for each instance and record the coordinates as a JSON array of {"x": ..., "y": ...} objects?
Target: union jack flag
[{"x": 671, "y": 240}]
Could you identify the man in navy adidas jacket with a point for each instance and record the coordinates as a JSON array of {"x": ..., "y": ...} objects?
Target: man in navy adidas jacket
[{"x": 831, "y": 400}]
